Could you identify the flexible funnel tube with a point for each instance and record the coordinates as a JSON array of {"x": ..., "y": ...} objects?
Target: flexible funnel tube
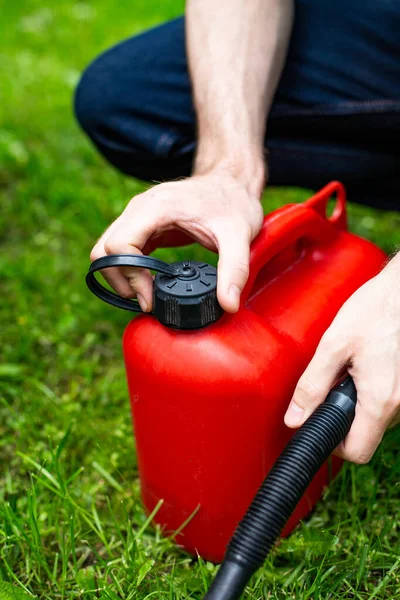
[{"x": 282, "y": 489}]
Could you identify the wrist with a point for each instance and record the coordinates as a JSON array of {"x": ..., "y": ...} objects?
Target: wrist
[{"x": 248, "y": 168}]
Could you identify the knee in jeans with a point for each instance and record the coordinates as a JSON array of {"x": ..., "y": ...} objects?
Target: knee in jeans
[{"x": 93, "y": 104}]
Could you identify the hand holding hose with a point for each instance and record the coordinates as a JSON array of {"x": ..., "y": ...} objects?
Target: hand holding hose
[
  {"x": 282, "y": 489},
  {"x": 365, "y": 335}
]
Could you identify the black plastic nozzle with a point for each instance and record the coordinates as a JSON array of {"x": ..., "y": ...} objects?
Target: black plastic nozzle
[{"x": 282, "y": 489}]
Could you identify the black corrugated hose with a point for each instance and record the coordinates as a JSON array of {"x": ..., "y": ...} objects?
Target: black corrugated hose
[{"x": 282, "y": 489}]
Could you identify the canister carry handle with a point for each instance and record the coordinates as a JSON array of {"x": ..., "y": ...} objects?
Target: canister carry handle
[
  {"x": 293, "y": 222},
  {"x": 124, "y": 260}
]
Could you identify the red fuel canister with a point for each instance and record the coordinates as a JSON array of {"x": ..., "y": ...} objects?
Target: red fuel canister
[{"x": 208, "y": 403}]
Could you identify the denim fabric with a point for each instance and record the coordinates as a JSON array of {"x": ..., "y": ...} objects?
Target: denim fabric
[{"x": 336, "y": 113}]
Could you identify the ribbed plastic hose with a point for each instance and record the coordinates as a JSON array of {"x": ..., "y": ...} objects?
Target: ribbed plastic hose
[{"x": 282, "y": 489}]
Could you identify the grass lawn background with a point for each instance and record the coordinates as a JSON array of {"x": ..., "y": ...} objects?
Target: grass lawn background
[{"x": 71, "y": 521}]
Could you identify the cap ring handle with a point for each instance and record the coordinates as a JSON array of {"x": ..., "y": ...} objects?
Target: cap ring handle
[{"x": 124, "y": 260}]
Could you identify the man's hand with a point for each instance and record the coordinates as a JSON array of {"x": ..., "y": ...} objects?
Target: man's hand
[
  {"x": 215, "y": 209},
  {"x": 236, "y": 52},
  {"x": 364, "y": 338}
]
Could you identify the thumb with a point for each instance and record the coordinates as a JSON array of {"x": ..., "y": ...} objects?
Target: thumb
[
  {"x": 233, "y": 268},
  {"x": 315, "y": 383}
]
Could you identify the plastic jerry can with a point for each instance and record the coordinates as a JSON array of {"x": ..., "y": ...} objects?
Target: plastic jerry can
[{"x": 209, "y": 390}]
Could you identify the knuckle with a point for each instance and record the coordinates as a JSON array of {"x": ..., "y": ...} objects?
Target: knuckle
[
  {"x": 307, "y": 390},
  {"x": 95, "y": 253},
  {"x": 393, "y": 403},
  {"x": 395, "y": 396},
  {"x": 246, "y": 229},
  {"x": 242, "y": 268},
  {"x": 360, "y": 457},
  {"x": 332, "y": 341},
  {"x": 253, "y": 226},
  {"x": 110, "y": 246},
  {"x": 376, "y": 411},
  {"x": 127, "y": 294},
  {"x": 133, "y": 279},
  {"x": 378, "y": 403}
]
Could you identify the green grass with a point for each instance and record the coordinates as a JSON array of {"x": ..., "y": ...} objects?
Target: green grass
[{"x": 71, "y": 521}]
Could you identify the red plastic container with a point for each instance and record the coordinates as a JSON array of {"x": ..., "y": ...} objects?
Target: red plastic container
[{"x": 208, "y": 405}]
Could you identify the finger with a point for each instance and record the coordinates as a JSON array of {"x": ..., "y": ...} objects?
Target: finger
[
  {"x": 233, "y": 267},
  {"x": 363, "y": 438},
  {"x": 98, "y": 249},
  {"x": 141, "y": 282},
  {"x": 316, "y": 381},
  {"x": 118, "y": 282},
  {"x": 131, "y": 281},
  {"x": 129, "y": 238},
  {"x": 113, "y": 275},
  {"x": 375, "y": 410}
]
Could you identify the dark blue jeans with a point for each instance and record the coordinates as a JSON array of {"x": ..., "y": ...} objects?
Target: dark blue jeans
[{"x": 336, "y": 113}]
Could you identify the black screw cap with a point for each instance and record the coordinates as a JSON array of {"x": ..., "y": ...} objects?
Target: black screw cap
[{"x": 187, "y": 300}]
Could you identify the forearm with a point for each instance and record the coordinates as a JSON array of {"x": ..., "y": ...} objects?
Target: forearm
[{"x": 236, "y": 51}]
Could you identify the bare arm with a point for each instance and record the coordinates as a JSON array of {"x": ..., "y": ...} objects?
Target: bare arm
[{"x": 236, "y": 53}]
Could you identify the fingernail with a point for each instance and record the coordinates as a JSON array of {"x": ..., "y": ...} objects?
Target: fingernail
[
  {"x": 142, "y": 302},
  {"x": 294, "y": 415},
  {"x": 234, "y": 294}
]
